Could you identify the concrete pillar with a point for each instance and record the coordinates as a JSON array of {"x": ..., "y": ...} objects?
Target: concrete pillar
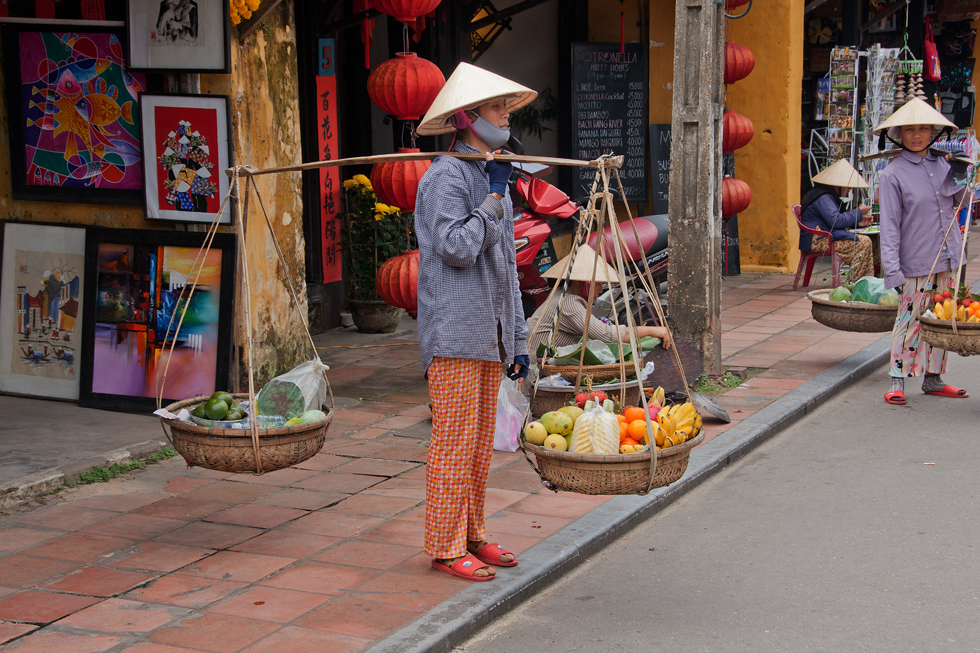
[{"x": 694, "y": 281}]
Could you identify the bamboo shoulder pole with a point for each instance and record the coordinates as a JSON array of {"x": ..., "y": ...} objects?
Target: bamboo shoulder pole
[{"x": 252, "y": 171}]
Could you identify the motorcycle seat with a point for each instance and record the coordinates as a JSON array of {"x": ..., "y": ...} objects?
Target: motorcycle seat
[
  {"x": 646, "y": 230},
  {"x": 545, "y": 199}
]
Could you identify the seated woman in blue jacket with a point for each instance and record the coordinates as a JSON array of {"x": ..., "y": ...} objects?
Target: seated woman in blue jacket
[{"x": 820, "y": 209}]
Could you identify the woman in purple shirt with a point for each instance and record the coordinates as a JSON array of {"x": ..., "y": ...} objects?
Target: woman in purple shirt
[{"x": 918, "y": 198}]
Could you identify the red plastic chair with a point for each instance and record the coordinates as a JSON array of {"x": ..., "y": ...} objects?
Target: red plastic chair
[{"x": 807, "y": 259}]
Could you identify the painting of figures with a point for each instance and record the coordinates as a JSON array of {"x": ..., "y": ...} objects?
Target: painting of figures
[
  {"x": 160, "y": 318},
  {"x": 75, "y": 115},
  {"x": 40, "y": 309},
  {"x": 186, "y": 138},
  {"x": 179, "y": 35}
]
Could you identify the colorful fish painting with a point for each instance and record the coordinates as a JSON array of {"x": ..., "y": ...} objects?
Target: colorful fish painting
[{"x": 80, "y": 110}]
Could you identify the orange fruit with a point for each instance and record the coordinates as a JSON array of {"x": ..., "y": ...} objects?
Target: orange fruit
[
  {"x": 621, "y": 419},
  {"x": 637, "y": 429},
  {"x": 623, "y": 431},
  {"x": 975, "y": 306},
  {"x": 633, "y": 413},
  {"x": 629, "y": 441}
]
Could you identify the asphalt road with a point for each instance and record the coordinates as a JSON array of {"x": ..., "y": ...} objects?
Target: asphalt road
[{"x": 856, "y": 530}]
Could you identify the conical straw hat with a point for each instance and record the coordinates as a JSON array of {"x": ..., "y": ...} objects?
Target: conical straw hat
[
  {"x": 841, "y": 173},
  {"x": 468, "y": 87},
  {"x": 585, "y": 260},
  {"x": 915, "y": 112}
]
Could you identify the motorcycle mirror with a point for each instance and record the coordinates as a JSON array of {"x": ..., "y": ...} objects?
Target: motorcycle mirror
[{"x": 515, "y": 145}]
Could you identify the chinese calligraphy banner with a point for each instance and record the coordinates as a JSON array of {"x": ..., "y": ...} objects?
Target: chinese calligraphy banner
[{"x": 330, "y": 186}]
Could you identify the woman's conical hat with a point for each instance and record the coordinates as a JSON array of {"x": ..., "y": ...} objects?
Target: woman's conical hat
[
  {"x": 468, "y": 87},
  {"x": 841, "y": 173},
  {"x": 585, "y": 260},
  {"x": 915, "y": 112}
]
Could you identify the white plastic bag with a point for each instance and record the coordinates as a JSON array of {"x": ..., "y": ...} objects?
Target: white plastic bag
[
  {"x": 291, "y": 394},
  {"x": 511, "y": 406}
]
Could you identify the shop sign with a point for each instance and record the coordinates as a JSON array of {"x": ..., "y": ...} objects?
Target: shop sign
[{"x": 330, "y": 186}]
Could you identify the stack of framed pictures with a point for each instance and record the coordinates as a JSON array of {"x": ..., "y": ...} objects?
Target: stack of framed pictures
[{"x": 91, "y": 313}]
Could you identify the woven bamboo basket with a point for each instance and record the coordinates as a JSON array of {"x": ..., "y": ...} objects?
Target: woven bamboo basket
[
  {"x": 232, "y": 450},
  {"x": 851, "y": 316},
  {"x": 587, "y": 473},
  {"x": 548, "y": 399},
  {"x": 939, "y": 333},
  {"x": 594, "y": 372}
]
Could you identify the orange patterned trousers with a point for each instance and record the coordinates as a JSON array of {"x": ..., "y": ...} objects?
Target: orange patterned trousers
[{"x": 464, "y": 410}]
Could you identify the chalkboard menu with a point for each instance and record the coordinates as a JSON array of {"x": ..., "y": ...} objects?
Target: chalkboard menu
[
  {"x": 609, "y": 111},
  {"x": 660, "y": 165}
]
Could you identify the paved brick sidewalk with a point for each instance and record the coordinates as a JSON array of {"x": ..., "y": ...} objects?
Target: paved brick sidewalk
[{"x": 326, "y": 555}]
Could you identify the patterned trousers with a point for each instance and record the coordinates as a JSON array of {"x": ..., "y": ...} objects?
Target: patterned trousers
[
  {"x": 910, "y": 354},
  {"x": 464, "y": 410},
  {"x": 859, "y": 254}
]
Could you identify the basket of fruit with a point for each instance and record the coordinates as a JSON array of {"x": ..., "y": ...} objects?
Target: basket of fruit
[
  {"x": 837, "y": 309},
  {"x": 953, "y": 325},
  {"x": 596, "y": 451},
  {"x": 550, "y": 398},
  {"x": 210, "y": 440}
]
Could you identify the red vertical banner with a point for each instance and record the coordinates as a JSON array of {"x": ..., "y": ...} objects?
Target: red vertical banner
[{"x": 330, "y": 185}]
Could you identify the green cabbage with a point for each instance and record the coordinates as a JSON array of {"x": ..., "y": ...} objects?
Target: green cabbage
[
  {"x": 840, "y": 294},
  {"x": 889, "y": 298},
  {"x": 868, "y": 290}
]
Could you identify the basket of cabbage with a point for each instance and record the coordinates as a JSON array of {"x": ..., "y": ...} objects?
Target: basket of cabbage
[{"x": 864, "y": 306}]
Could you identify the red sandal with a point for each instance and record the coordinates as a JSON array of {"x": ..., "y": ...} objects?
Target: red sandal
[
  {"x": 895, "y": 398},
  {"x": 949, "y": 391},
  {"x": 465, "y": 567},
  {"x": 491, "y": 552}
]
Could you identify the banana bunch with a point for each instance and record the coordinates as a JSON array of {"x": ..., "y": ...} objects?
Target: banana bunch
[
  {"x": 677, "y": 424},
  {"x": 950, "y": 311}
]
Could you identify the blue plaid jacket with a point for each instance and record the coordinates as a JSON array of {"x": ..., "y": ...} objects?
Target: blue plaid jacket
[{"x": 469, "y": 299}]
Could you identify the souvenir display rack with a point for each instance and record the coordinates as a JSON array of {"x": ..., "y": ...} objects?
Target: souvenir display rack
[{"x": 844, "y": 68}]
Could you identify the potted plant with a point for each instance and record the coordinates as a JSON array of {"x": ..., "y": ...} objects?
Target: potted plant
[{"x": 373, "y": 233}]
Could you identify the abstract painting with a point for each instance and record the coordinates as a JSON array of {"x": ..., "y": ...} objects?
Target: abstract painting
[
  {"x": 179, "y": 35},
  {"x": 151, "y": 335},
  {"x": 185, "y": 141},
  {"x": 74, "y": 116},
  {"x": 40, "y": 309}
]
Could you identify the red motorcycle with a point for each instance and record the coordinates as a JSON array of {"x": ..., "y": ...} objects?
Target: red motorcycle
[{"x": 532, "y": 235}]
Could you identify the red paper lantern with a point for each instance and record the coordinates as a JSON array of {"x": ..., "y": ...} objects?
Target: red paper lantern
[
  {"x": 397, "y": 182},
  {"x": 408, "y": 10},
  {"x": 397, "y": 281},
  {"x": 405, "y": 86},
  {"x": 734, "y": 4},
  {"x": 735, "y": 196},
  {"x": 739, "y": 62},
  {"x": 738, "y": 131}
]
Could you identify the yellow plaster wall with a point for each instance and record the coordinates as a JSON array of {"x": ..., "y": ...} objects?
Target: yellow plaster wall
[
  {"x": 266, "y": 131},
  {"x": 770, "y": 96}
]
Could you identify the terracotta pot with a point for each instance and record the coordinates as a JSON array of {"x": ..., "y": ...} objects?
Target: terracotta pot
[{"x": 374, "y": 316}]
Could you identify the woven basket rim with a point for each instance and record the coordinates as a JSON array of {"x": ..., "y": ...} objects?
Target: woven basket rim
[
  {"x": 947, "y": 325},
  {"x": 820, "y": 297},
  {"x": 617, "y": 458},
  {"x": 274, "y": 431},
  {"x": 605, "y": 387},
  {"x": 559, "y": 369}
]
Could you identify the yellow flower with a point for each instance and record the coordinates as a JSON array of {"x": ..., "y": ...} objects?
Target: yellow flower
[
  {"x": 382, "y": 208},
  {"x": 349, "y": 183},
  {"x": 378, "y": 217},
  {"x": 394, "y": 209},
  {"x": 363, "y": 181}
]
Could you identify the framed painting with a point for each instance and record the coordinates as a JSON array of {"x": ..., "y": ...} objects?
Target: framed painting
[
  {"x": 187, "y": 150},
  {"x": 137, "y": 286},
  {"x": 41, "y": 279},
  {"x": 180, "y": 36},
  {"x": 73, "y": 113}
]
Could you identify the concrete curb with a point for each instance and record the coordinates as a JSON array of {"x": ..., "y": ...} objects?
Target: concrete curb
[
  {"x": 459, "y": 618},
  {"x": 25, "y": 488}
]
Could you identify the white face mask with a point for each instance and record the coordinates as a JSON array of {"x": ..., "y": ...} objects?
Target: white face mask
[{"x": 495, "y": 137}]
